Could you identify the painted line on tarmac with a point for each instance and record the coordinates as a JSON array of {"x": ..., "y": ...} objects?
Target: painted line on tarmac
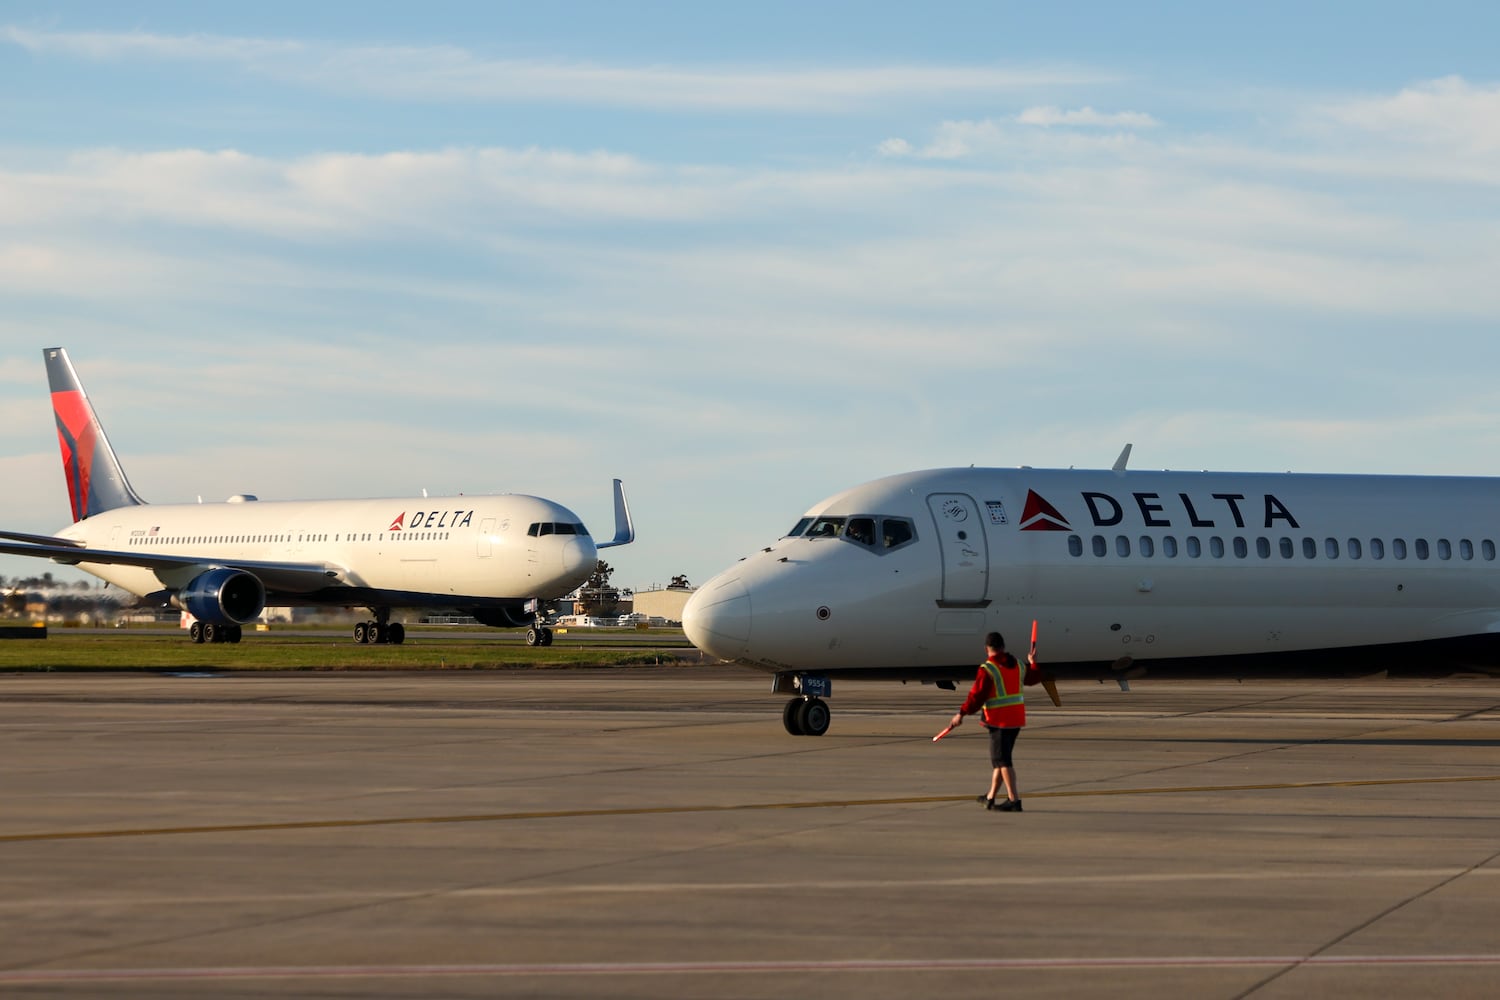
[
  {"x": 506, "y": 817},
  {"x": 524, "y": 969}
]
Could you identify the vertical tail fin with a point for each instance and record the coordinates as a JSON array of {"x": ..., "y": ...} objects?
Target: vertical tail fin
[{"x": 96, "y": 482}]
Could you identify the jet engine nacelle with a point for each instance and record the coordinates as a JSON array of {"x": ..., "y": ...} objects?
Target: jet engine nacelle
[
  {"x": 508, "y": 616},
  {"x": 223, "y": 597}
]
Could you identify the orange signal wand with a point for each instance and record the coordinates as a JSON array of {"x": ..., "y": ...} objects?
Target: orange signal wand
[
  {"x": 940, "y": 735},
  {"x": 1033, "y": 637}
]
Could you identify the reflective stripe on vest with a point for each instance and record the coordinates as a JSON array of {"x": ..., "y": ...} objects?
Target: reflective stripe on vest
[{"x": 1001, "y": 699}]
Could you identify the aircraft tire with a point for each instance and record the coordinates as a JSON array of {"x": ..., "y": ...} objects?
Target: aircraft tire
[
  {"x": 533, "y": 637},
  {"x": 813, "y": 717},
  {"x": 396, "y": 634},
  {"x": 789, "y": 716},
  {"x": 546, "y": 637},
  {"x": 211, "y": 633},
  {"x": 360, "y": 633},
  {"x": 233, "y": 633},
  {"x": 195, "y": 632}
]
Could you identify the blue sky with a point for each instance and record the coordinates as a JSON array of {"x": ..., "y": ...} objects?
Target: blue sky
[{"x": 743, "y": 257}]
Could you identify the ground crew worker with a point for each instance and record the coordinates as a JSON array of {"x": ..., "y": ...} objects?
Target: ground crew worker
[{"x": 997, "y": 691}]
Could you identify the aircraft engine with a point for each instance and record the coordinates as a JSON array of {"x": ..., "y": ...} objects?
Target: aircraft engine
[
  {"x": 223, "y": 597},
  {"x": 508, "y": 616}
]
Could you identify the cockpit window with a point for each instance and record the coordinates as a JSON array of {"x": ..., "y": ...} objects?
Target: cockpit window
[
  {"x": 826, "y": 527},
  {"x": 861, "y": 530},
  {"x": 895, "y": 532},
  {"x": 539, "y": 528},
  {"x": 799, "y": 527}
]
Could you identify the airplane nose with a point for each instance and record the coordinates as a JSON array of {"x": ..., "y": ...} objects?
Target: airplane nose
[
  {"x": 717, "y": 619},
  {"x": 579, "y": 556}
]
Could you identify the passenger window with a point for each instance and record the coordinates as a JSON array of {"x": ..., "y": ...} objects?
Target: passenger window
[
  {"x": 1263, "y": 547},
  {"x": 1122, "y": 545},
  {"x": 1286, "y": 547},
  {"x": 1354, "y": 551},
  {"x": 1377, "y": 549},
  {"x": 861, "y": 530},
  {"x": 1194, "y": 549},
  {"x": 1216, "y": 547},
  {"x": 1421, "y": 544},
  {"x": 1331, "y": 547},
  {"x": 1147, "y": 548},
  {"x": 1398, "y": 548},
  {"x": 1240, "y": 548},
  {"x": 1487, "y": 548},
  {"x": 1169, "y": 546},
  {"x": 1309, "y": 549},
  {"x": 1101, "y": 547},
  {"x": 1465, "y": 549},
  {"x": 1075, "y": 545},
  {"x": 1445, "y": 551}
]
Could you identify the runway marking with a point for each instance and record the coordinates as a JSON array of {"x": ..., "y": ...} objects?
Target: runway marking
[
  {"x": 1061, "y": 964},
  {"x": 345, "y": 824},
  {"x": 594, "y": 889}
]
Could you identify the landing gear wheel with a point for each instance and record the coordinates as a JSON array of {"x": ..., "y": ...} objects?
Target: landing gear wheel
[
  {"x": 233, "y": 633},
  {"x": 806, "y": 716},
  {"x": 211, "y": 633},
  {"x": 533, "y": 637},
  {"x": 395, "y": 634},
  {"x": 195, "y": 631},
  {"x": 813, "y": 717},
  {"x": 546, "y": 637},
  {"x": 361, "y": 632},
  {"x": 789, "y": 716}
]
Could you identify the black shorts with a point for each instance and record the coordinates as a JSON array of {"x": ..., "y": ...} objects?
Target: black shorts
[{"x": 1002, "y": 742}]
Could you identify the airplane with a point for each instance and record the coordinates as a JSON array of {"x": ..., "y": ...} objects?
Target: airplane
[
  {"x": 1124, "y": 572},
  {"x": 499, "y": 558}
]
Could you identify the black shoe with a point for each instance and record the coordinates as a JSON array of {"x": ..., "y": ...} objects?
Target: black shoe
[
  {"x": 1008, "y": 806},
  {"x": 986, "y": 801}
]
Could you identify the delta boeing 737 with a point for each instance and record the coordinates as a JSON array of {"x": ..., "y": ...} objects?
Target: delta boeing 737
[
  {"x": 498, "y": 558},
  {"x": 1123, "y": 571}
]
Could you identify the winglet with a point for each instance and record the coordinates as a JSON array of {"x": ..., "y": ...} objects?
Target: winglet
[
  {"x": 96, "y": 482},
  {"x": 1119, "y": 465},
  {"x": 624, "y": 527}
]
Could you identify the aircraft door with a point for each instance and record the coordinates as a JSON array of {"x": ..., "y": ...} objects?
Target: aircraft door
[
  {"x": 486, "y": 534},
  {"x": 960, "y": 532}
]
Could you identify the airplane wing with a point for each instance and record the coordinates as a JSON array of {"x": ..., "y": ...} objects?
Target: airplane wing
[{"x": 287, "y": 577}]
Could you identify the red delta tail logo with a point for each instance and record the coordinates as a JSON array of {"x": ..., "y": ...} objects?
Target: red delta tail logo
[
  {"x": 75, "y": 434},
  {"x": 398, "y": 523},
  {"x": 1039, "y": 515}
]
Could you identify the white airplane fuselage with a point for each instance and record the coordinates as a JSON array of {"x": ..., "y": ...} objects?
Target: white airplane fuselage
[
  {"x": 448, "y": 549},
  {"x": 1111, "y": 564}
]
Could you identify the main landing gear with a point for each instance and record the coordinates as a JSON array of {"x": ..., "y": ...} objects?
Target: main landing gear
[
  {"x": 209, "y": 632},
  {"x": 382, "y": 630},
  {"x": 808, "y": 714}
]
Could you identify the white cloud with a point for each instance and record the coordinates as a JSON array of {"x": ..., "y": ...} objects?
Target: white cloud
[
  {"x": 448, "y": 73},
  {"x": 1086, "y": 117},
  {"x": 1447, "y": 113}
]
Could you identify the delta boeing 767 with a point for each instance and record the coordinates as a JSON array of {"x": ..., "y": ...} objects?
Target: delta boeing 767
[
  {"x": 1124, "y": 572},
  {"x": 498, "y": 558}
]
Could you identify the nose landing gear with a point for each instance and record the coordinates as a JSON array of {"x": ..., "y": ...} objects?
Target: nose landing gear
[{"x": 808, "y": 714}]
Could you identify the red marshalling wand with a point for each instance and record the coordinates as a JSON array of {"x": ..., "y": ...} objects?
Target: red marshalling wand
[{"x": 940, "y": 735}]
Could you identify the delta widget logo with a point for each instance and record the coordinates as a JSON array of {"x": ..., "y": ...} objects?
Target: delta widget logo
[{"x": 1039, "y": 515}]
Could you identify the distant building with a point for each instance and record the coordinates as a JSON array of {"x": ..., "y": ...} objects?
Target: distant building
[{"x": 667, "y": 603}]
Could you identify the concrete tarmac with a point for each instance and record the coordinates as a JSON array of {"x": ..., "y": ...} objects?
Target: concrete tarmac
[{"x": 655, "y": 832}]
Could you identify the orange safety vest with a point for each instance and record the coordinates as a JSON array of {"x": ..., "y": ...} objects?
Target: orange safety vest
[{"x": 1007, "y": 709}]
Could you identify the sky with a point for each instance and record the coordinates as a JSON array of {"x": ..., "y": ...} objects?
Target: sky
[{"x": 742, "y": 257}]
